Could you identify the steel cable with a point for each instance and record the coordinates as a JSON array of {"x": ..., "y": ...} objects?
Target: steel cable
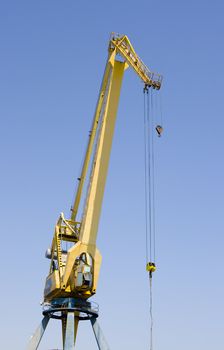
[{"x": 150, "y": 227}]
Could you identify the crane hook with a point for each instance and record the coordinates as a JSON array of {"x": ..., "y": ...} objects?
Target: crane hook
[
  {"x": 150, "y": 267},
  {"x": 159, "y": 130}
]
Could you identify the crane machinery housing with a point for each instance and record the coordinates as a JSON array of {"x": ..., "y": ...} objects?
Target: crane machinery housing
[{"x": 74, "y": 271}]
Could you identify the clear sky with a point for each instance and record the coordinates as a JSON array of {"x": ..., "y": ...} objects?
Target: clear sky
[{"x": 52, "y": 60}]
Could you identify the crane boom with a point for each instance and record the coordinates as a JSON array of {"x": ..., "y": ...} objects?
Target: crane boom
[
  {"x": 100, "y": 165},
  {"x": 92, "y": 136},
  {"x": 118, "y": 44},
  {"x": 123, "y": 46}
]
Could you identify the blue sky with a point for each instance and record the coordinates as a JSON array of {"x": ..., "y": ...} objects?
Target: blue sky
[{"x": 52, "y": 60}]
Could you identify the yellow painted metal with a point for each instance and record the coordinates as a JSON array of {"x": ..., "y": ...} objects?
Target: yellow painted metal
[
  {"x": 123, "y": 45},
  {"x": 92, "y": 210},
  {"x": 83, "y": 260},
  {"x": 69, "y": 274},
  {"x": 99, "y": 173},
  {"x": 150, "y": 267},
  {"x": 92, "y": 136},
  {"x": 52, "y": 285}
]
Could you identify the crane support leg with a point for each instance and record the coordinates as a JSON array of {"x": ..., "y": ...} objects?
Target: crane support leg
[
  {"x": 37, "y": 336},
  {"x": 100, "y": 339},
  {"x": 70, "y": 332},
  {"x": 69, "y": 311}
]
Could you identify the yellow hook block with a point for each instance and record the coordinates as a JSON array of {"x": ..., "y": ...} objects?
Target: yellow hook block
[{"x": 150, "y": 267}]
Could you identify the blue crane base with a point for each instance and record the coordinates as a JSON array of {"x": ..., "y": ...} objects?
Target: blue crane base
[{"x": 70, "y": 311}]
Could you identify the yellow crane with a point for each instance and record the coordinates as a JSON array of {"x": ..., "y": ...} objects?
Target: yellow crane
[{"x": 74, "y": 271}]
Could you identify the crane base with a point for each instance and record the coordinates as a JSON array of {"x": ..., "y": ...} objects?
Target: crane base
[
  {"x": 58, "y": 308},
  {"x": 70, "y": 311}
]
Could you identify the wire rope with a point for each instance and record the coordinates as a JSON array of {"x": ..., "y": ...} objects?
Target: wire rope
[
  {"x": 149, "y": 157},
  {"x": 152, "y": 207},
  {"x": 161, "y": 107},
  {"x": 150, "y": 220},
  {"x": 146, "y": 177},
  {"x": 151, "y": 312},
  {"x": 152, "y": 165}
]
